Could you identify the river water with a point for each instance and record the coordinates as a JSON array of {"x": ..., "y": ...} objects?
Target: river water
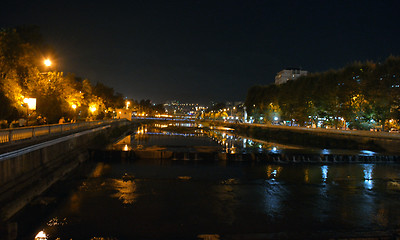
[{"x": 167, "y": 199}]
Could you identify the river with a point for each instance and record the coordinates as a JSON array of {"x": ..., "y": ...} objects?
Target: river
[{"x": 169, "y": 199}]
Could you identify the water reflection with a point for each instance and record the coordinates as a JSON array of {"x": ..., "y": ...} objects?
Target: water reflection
[
  {"x": 368, "y": 170},
  {"x": 229, "y": 198},
  {"x": 230, "y": 142},
  {"x": 274, "y": 198},
  {"x": 273, "y": 171},
  {"x": 306, "y": 175},
  {"x": 324, "y": 170},
  {"x": 226, "y": 203},
  {"x": 126, "y": 190}
]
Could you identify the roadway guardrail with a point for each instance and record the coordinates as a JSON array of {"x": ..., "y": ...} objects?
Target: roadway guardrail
[{"x": 11, "y": 135}]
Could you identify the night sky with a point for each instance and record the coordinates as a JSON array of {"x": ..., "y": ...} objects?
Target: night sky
[{"x": 202, "y": 51}]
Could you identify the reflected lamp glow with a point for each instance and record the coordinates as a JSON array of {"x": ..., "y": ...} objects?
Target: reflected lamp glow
[
  {"x": 368, "y": 184},
  {"x": 306, "y": 175},
  {"x": 368, "y": 170},
  {"x": 273, "y": 172},
  {"x": 324, "y": 170}
]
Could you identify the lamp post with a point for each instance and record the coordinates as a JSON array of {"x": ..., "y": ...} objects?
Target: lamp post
[
  {"x": 30, "y": 105},
  {"x": 92, "y": 110},
  {"x": 74, "y": 107}
]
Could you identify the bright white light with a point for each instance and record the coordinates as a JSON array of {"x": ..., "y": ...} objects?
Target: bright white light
[
  {"x": 368, "y": 181},
  {"x": 125, "y": 148},
  {"x": 31, "y": 102},
  {"x": 368, "y": 169},
  {"x": 324, "y": 170},
  {"x": 47, "y": 62},
  {"x": 41, "y": 236},
  {"x": 367, "y": 153},
  {"x": 276, "y": 118},
  {"x": 326, "y": 151}
]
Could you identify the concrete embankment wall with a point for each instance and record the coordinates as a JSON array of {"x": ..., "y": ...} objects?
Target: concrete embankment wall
[
  {"x": 322, "y": 138},
  {"x": 27, "y": 175}
]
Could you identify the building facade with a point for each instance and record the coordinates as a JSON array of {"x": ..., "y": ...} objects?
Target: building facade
[{"x": 289, "y": 74}]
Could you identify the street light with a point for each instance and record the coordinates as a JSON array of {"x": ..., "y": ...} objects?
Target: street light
[
  {"x": 47, "y": 62},
  {"x": 74, "y": 107},
  {"x": 93, "y": 109},
  {"x": 30, "y": 103}
]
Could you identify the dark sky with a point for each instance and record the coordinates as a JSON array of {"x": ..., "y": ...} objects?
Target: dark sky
[{"x": 201, "y": 51}]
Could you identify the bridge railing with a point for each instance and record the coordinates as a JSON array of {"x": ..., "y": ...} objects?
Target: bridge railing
[{"x": 15, "y": 134}]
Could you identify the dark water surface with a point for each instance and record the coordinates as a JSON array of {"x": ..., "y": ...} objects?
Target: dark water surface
[{"x": 166, "y": 199}]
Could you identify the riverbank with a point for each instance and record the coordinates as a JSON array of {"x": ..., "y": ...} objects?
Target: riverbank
[{"x": 381, "y": 142}]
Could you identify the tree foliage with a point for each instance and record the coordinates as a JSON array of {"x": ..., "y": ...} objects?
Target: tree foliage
[
  {"x": 358, "y": 93},
  {"x": 23, "y": 75}
]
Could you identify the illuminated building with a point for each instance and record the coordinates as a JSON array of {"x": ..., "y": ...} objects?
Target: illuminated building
[{"x": 289, "y": 74}]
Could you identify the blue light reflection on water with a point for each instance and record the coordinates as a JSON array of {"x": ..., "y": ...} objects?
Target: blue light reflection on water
[
  {"x": 367, "y": 153},
  {"x": 274, "y": 198},
  {"x": 265, "y": 198},
  {"x": 324, "y": 170},
  {"x": 368, "y": 180}
]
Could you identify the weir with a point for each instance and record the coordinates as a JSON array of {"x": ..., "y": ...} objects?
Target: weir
[
  {"x": 217, "y": 155},
  {"x": 318, "y": 137},
  {"x": 152, "y": 144}
]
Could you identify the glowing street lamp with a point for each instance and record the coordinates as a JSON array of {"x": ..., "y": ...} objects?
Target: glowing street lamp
[
  {"x": 93, "y": 109},
  {"x": 47, "y": 62},
  {"x": 127, "y": 104},
  {"x": 31, "y": 103},
  {"x": 74, "y": 107}
]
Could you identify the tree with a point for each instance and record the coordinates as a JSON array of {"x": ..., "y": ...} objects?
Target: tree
[{"x": 359, "y": 93}]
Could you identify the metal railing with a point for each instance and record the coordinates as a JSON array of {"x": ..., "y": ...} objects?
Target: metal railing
[{"x": 16, "y": 134}]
